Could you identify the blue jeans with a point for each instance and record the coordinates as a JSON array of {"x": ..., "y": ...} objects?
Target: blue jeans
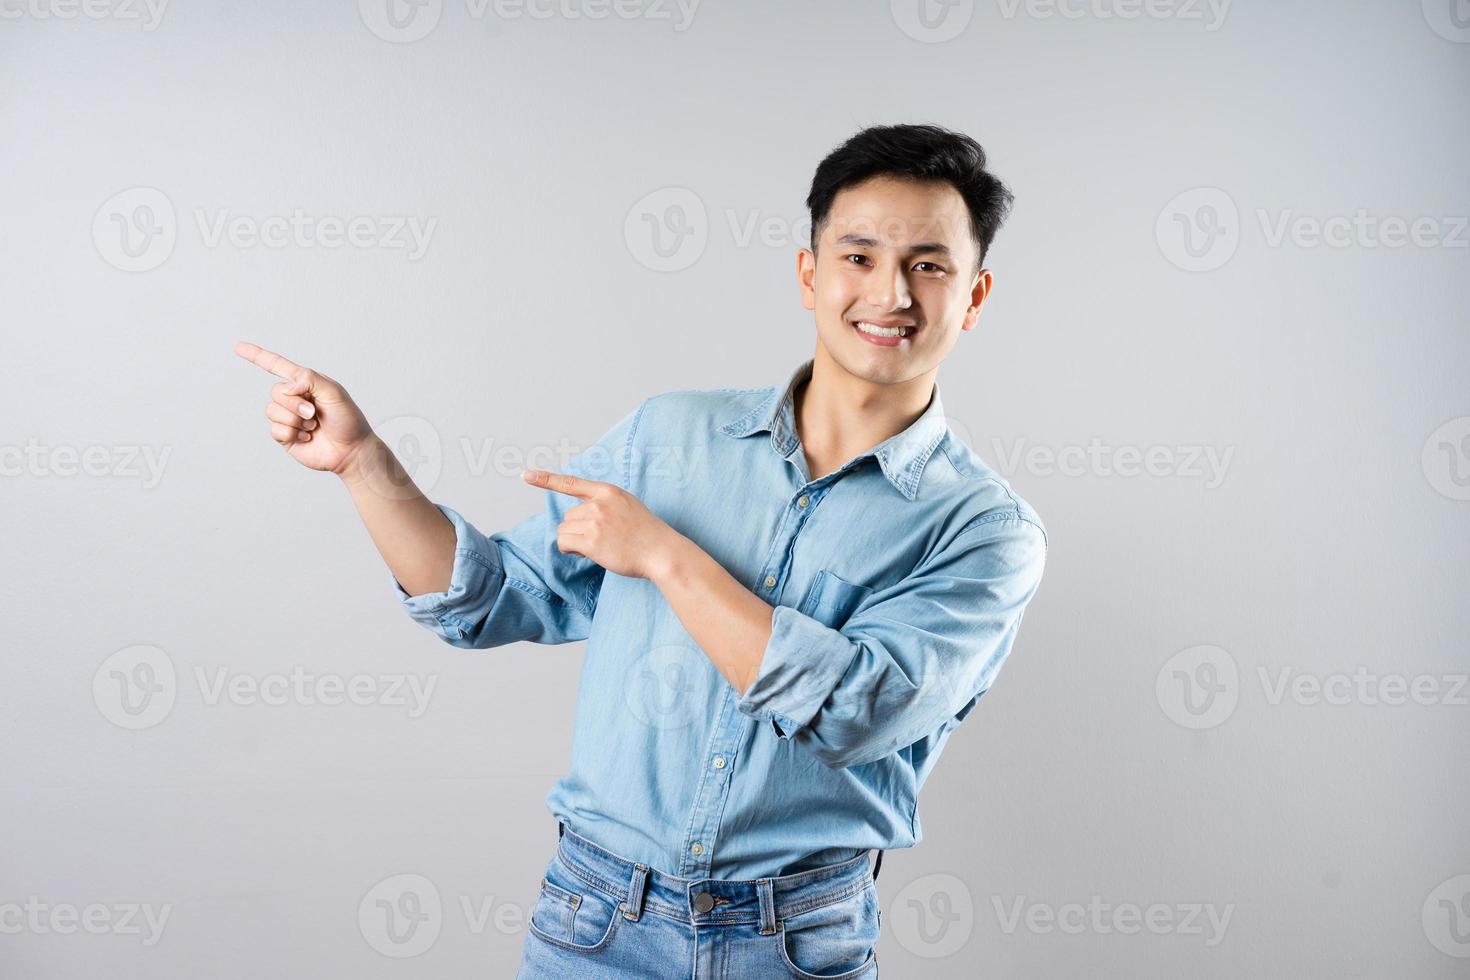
[{"x": 600, "y": 915}]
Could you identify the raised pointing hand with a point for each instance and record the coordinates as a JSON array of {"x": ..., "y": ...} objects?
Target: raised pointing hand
[{"x": 310, "y": 414}]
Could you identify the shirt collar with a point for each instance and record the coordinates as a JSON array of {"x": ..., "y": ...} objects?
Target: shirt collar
[{"x": 901, "y": 457}]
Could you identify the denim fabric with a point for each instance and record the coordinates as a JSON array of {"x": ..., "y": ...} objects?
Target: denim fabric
[
  {"x": 600, "y": 915},
  {"x": 898, "y": 583}
]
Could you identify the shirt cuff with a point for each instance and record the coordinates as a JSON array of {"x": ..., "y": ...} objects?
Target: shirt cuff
[
  {"x": 802, "y": 663},
  {"x": 475, "y": 580}
]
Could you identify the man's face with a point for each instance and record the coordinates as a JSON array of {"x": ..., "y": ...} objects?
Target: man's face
[{"x": 893, "y": 252}]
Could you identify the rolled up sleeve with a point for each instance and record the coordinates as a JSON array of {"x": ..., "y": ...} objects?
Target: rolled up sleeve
[
  {"x": 910, "y": 657},
  {"x": 517, "y": 584}
]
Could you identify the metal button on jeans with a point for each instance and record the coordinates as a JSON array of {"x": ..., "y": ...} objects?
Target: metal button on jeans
[{"x": 703, "y": 902}]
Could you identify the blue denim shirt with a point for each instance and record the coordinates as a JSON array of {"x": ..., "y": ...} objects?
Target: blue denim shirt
[{"x": 898, "y": 581}]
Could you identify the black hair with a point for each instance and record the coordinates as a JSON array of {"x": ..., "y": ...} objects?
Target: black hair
[{"x": 918, "y": 153}]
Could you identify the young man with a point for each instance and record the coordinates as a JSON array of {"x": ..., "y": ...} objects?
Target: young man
[{"x": 791, "y": 595}]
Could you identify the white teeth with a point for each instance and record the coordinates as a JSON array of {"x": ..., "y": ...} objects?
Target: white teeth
[{"x": 877, "y": 331}]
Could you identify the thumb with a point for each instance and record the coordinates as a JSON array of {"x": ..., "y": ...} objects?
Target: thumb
[{"x": 310, "y": 385}]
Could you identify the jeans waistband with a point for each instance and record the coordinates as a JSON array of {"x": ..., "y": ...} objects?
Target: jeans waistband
[{"x": 709, "y": 901}]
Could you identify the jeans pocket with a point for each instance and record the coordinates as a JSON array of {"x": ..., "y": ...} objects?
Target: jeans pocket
[
  {"x": 837, "y": 941},
  {"x": 571, "y": 914}
]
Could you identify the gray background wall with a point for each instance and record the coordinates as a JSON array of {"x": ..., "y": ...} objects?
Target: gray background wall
[{"x": 1251, "y": 445}]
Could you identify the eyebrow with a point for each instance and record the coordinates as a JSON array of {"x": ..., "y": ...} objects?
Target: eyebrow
[{"x": 938, "y": 247}]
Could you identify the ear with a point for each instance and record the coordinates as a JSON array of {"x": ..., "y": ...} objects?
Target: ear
[
  {"x": 983, "y": 283},
  {"x": 806, "y": 274}
]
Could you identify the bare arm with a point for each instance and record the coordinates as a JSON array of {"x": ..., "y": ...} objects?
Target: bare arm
[
  {"x": 412, "y": 535},
  {"x": 321, "y": 427}
]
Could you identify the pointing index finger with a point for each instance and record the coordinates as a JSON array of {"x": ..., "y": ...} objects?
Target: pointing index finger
[
  {"x": 281, "y": 367},
  {"x": 573, "y": 486}
]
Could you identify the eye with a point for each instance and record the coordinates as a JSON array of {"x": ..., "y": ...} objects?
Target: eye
[
  {"x": 936, "y": 268},
  {"x": 856, "y": 255}
]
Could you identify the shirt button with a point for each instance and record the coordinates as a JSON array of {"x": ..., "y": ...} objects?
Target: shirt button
[
  {"x": 803, "y": 500},
  {"x": 703, "y": 902},
  {"x": 696, "y": 848},
  {"x": 770, "y": 581},
  {"x": 719, "y": 762}
]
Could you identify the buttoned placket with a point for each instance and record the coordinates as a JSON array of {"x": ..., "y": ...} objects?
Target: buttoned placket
[
  {"x": 721, "y": 752},
  {"x": 701, "y": 838}
]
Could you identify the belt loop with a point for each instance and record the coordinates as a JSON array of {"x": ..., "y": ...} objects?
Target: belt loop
[
  {"x": 635, "y": 892},
  {"x": 767, "y": 893},
  {"x": 877, "y": 866}
]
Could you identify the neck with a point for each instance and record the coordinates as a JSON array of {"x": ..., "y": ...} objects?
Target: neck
[{"x": 839, "y": 414}]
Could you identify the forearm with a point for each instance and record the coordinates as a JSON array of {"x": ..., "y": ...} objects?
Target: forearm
[
  {"x": 414, "y": 537},
  {"x": 731, "y": 624}
]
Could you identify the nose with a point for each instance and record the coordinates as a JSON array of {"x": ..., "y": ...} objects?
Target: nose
[{"x": 888, "y": 288}]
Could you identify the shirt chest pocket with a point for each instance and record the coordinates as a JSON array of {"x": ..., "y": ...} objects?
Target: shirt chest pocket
[{"x": 831, "y": 599}]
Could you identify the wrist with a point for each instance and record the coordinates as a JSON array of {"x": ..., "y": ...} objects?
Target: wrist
[
  {"x": 362, "y": 460},
  {"x": 669, "y": 561}
]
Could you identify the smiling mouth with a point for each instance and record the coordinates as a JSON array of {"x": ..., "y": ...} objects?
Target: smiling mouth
[{"x": 873, "y": 329}]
